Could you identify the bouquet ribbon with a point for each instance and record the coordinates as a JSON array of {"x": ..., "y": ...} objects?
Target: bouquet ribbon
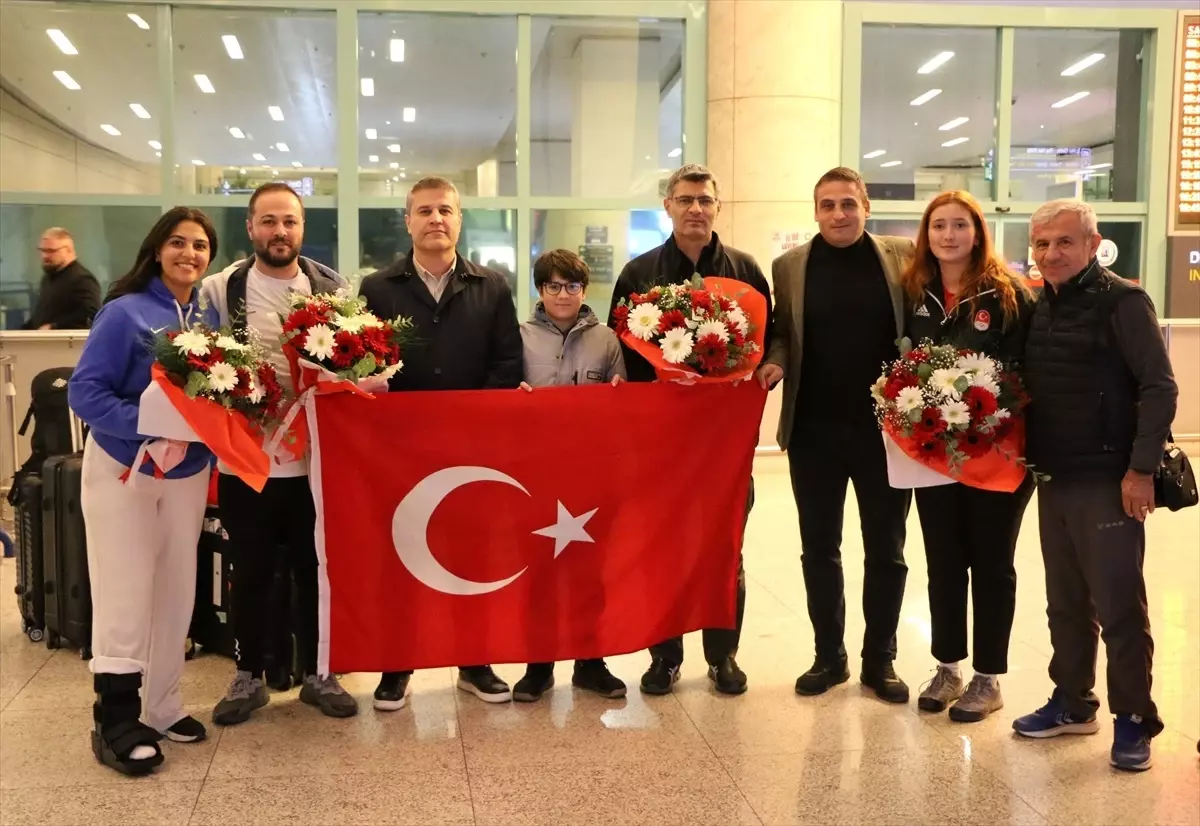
[
  {"x": 753, "y": 304},
  {"x": 998, "y": 470}
]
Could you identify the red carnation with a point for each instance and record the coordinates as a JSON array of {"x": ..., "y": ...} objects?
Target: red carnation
[
  {"x": 671, "y": 320},
  {"x": 702, "y": 300},
  {"x": 712, "y": 352},
  {"x": 347, "y": 349},
  {"x": 973, "y": 443},
  {"x": 980, "y": 401},
  {"x": 621, "y": 314}
]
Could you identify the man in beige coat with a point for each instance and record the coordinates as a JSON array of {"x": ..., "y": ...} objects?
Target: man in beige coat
[{"x": 840, "y": 307}]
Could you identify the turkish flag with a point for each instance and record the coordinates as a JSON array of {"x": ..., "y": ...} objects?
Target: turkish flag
[{"x": 472, "y": 527}]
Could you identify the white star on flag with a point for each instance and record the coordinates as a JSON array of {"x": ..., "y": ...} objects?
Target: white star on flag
[{"x": 567, "y": 529}]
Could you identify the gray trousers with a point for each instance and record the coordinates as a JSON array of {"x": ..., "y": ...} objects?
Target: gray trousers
[{"x": 1094, "y": 588}]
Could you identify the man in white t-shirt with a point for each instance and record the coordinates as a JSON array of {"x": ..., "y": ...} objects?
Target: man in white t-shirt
[{"x": 252, "y": 294}]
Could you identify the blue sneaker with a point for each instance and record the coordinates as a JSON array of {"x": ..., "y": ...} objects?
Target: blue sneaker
[
  {"x": 1053, "y": 719},
  {"x": 1131, "y": 744}
]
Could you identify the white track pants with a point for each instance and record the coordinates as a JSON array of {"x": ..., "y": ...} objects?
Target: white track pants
[{"x": 141, "y": 540}]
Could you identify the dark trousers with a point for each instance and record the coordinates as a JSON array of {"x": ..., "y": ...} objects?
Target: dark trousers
[
  {"x": 824, "y": 458},
  {"x": 1094, "y": 588},
  {"x": 257, "y": 524},
  {"x": 719, "y": 643},
  {"x": 972, "y": 530}
]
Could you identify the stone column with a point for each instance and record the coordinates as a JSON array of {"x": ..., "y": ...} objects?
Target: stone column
[{"x": 774, "y": 121}]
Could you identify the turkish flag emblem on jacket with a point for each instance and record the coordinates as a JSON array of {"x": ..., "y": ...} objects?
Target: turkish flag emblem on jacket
[{"x": 462, "y": 528}]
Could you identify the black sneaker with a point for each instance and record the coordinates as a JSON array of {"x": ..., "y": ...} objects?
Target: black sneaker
[
  {"x": 594, "y": 676},
  {"x": 186, "y": 730},
  {"x": 660, "y": 677},
  {"x": 729, "y": 679},
  {"x": 883, "y": 681},
  {"x": 821, "y": 677},
  {"x": 538, "y": 679},
  {"x": 392, "y": 691},
  {"x": 483, "y": 683}
]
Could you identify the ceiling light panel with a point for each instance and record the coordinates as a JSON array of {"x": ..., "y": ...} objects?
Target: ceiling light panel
[
  {"x": 232, "y": 47},
  {"x": 925, "y": 98},
  {"x": 66, "y": 80},
  {"x": 154, "y": 144},
  {"x": 138, "y": 21},
  {"x": 875, "y": 154},
  {"x": 275, "y": 112},
  {"x": 935, "y": 63},
  {"x": 62, "y": 42},
  {"x": 139, "y": 110},
  {"x": 1076, "y": 68},
  {"x": 110, "y": 129},
  {"x": 237, "y": 133},
  {"x": 955, "y": 141},
  {"x": 258, "y": 156},
  {"x": 889, "y": 164},
  {"x": 954, "y": 124},
  {"x": 297, "y": 164},
  {"x": 282, "y": 147},
  {"x": 205, "y": 84},
  {"x": 410, "y": 114},
  {"x": 373, "y": 158},
  {"x": 394, "y": 147},
  {"x": 367, "y": 84},
  {"x": 1067, "y": 101},
  {"x": 396, "y": 50},
  {"x": 372, "y": 134}
]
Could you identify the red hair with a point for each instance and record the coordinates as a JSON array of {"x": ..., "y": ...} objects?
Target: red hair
[{"x": 986, "y": 270}]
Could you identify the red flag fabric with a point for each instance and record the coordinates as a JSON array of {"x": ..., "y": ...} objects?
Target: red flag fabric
[{"x": 460, "y": 528}]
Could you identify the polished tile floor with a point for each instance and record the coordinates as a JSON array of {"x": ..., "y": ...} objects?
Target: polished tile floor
[{"x": 693, "y": 758}]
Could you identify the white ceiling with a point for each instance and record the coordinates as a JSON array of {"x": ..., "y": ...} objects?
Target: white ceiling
[{"x": 911, "y": 134}]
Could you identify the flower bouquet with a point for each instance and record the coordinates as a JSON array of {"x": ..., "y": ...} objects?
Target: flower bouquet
[
  {"x": 951, "y": 415},
  {"x": 710, "y": 329},
  {"x": 210, "y": 386}
]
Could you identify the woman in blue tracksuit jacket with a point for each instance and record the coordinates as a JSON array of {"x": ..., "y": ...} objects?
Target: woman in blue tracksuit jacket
[{"x": 141, "y": 533}]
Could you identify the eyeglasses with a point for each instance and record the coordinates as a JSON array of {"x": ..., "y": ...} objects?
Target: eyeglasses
[
  {"x": 685, "y": 201},
  {"x": 556, "y": 287}
]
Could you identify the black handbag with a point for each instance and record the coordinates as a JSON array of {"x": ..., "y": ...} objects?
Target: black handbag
[{"x": 1174, "y": 481}]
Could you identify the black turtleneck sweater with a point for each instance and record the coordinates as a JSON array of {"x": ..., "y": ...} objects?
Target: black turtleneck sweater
[{"x": 849, "y": 332}]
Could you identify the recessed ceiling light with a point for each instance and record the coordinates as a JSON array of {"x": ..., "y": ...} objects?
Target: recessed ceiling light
[
  {"x": 410, "y": 114},
  {"x": 954, "y": 124},
  {"x": 205, "y": 84},
  {"x": 1099, "y": 166},
  {"x": 367, "y": 84},
  {"x": 232, "y": 46},
  {"x": 154, "y": 144},
  {"x": 297, "y": 164},
  {"x": 60, "y": 40},
  {"x": 1043, "y": 126},
  {"x": 925, "y": 98},
  {"x": 110, "y": 129},
  {"x": 394, "y": 165},
  {"x": 275, "y": 112},
  {"x": 372, "y": 134},
  {"x": 140, "y": 111},
  {"x": 955, "y": 141},
  {"x": 394, "y": 147},
  {"x": 198, "y": 163},
  {"x": 158, "y": 154},
  {"x": 282, "y": 147},
  {"x": 237, "y": 133},
  {"x": 395, "y": 177},
  {"x": 66, "y": 80},
  {"x": 258, "y": 156},
  {"x": 373, "y": 158},
  {"x": 396, "y": 50},
  {"x": 1076, "y": 68},
  {"x": 138, "y": 21},
  {"x": 935, "y": 63},
  {"x": 1069, "y": 100},
  {"x": 403, "y": 174},
  {"x": 889, "y": 163},
  {"x": 675, "y": 153},
  {"x": 874, "y": 154}
]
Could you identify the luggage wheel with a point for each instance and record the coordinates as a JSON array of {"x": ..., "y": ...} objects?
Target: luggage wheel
[
  {"x": 35, "y": 634},
  {"x": 85, "y": 652},
  {"x": 53, "y": 641}
]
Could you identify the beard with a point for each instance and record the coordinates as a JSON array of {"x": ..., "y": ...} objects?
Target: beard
[
  {"x": 50, "y": 269},
  {"x": 263, "y": 253}
]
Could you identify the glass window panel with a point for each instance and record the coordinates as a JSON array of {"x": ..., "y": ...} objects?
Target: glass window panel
[
  {"x": 1126, "y": 235},
  {"x": 489, "y": 238},
  {"x": 432, "y": 114},
  {"x": 906, "y": 227},
  {"x": 607, "y": 106},
  {"x": 606, "y": 239},
  {"x": 320, "y": 236},
  {"x": 908, "y": 116},
  {"x": 1079, "y": 135},
  {"x": 107, "y": 239},
  {"x": 271, "y": 114},
  {"x": 54, "y": 138}
]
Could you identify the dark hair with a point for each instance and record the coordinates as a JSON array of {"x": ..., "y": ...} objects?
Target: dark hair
[
  {"x": 567, "y": 264},
  {"x": 844, "y": 174},
  {"x": 432, "y": 182},
  {"x": 693, "y": 173},
  {"x": 273, "y": 186},
  {"x": 147, "y": 267}
]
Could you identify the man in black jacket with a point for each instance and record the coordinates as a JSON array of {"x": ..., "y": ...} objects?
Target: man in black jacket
[
  {"x": 1104, "y": 398},
  {"x": 693, "y": 203},
  {"x": 468, "y": 338},
  {"x": 69, "y": 296}
]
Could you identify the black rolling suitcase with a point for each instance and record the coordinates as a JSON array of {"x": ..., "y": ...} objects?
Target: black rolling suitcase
[
  {"x": 212, "y": 627},
  {"x": 31, "y": 594},
  {"x": 68, "y": 590}
]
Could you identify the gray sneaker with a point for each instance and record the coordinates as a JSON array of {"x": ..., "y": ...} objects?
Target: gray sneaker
[
  {"x": 327, "y": 694},
  {"x": 981, "y": 699},
  {"x": 945, "y": 687},
  {"x": 245, "y": 695}
]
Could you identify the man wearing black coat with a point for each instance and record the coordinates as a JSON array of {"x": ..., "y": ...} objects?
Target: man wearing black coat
[
  {"x": 468, "y": 338},
  {"x": 69, "y": 296}
]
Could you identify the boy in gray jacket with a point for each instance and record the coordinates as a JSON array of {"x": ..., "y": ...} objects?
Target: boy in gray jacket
[{"x": 565, "y": 343}]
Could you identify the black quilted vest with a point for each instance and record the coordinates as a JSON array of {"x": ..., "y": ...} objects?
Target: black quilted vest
[{"x": 1083, "y": 416}]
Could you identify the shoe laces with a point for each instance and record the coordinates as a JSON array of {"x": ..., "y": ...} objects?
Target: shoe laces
[
  {"x": 941, "y": 678},
  {"x": 1129, "y": 728},
  {"x": 976, "y": 690},
  {"x": 243, "y": 687},
  {"x": 326, "y": 685}
]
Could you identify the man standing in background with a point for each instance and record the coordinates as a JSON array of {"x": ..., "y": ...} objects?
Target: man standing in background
[{"x": 69, "y": 296}]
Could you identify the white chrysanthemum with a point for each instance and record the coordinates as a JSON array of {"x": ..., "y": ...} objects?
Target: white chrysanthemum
[
  {"x": 943, "y": 381},
  {"x": 229, "y": 343},
  {"x": 643, "y": 321},
  {"x": 976, "y": 365},
  {"x": 988, "y": 383},
  {"x": 222, "y": 377},
  {"x": 677, "y": 345},
  {"x": 1002, "y": 413},
  {"x": 192, "y": 343},
  {"x": 956, "y": 414},
  {"x": 319, "y": 341},
  {"x": 910, "y": 399},
  {"x": 713, "y": 328},
  {"x": 877, "y": 389},
  {"x": 737, "y": 317},
  {"x": 355, "y": 323},
  {"x": 257, "y": 394}
]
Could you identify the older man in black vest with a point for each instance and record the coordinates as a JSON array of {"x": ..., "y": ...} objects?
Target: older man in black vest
[{"x": 1103, "y": 402}]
